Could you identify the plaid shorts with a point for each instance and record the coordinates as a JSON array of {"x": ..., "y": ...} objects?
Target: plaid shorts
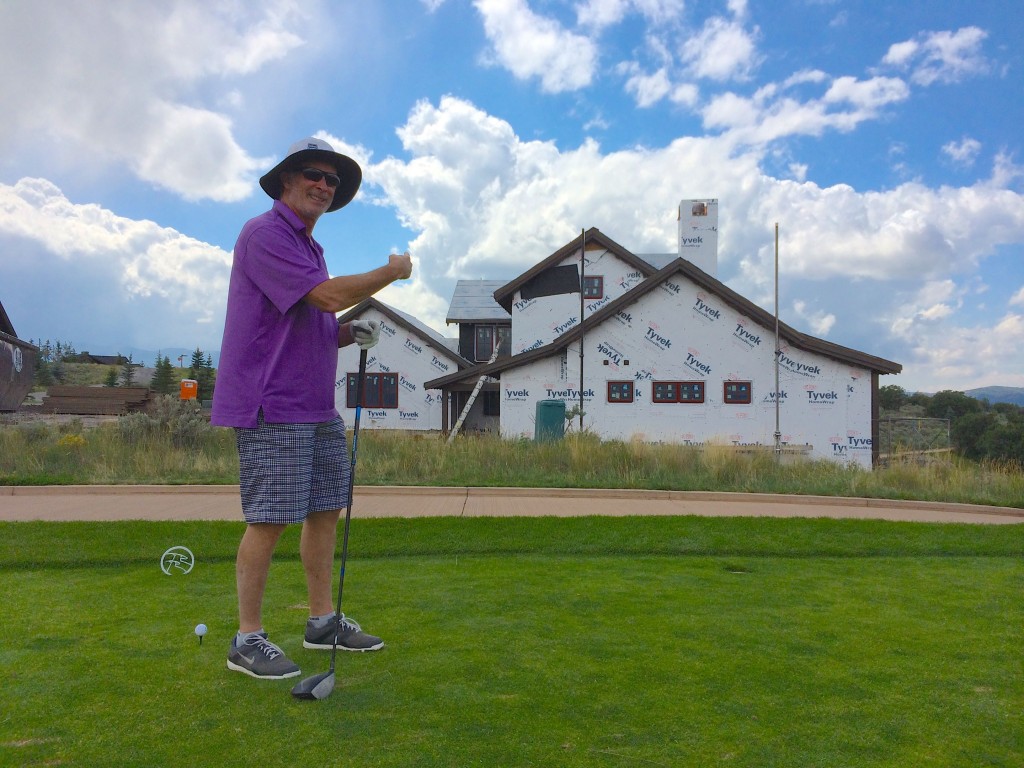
[{"x": 287, "y": 471}]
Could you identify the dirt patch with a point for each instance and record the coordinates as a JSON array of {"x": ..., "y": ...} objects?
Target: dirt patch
[{"x": 31, "y": 415}]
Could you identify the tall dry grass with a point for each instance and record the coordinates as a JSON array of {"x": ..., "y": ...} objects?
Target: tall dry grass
[{"x": 134, "y": 451}]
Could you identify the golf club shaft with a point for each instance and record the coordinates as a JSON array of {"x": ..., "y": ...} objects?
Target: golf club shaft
[{"x": 348, "y": 509}]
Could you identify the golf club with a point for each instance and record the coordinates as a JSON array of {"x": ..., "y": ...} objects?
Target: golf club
[{"x": 321, "y": 686}]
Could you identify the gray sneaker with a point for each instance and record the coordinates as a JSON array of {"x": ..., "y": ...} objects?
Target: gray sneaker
[
  {"x": 258, "y": 657},
  {"x": 350, "y": 637}
]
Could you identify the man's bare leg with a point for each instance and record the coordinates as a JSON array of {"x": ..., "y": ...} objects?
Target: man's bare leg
[
  {"x": 251, "y": 569},
  {"x": 316, "y": 547}
]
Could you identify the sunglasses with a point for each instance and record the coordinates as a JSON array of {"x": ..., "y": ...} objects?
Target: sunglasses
[{"x": 315, "y": 174}]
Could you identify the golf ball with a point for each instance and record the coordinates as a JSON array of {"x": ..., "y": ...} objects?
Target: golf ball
[{"x": 200, "y": 629}]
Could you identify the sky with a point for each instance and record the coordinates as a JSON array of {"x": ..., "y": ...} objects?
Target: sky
[{"x": 884, "y": 139}]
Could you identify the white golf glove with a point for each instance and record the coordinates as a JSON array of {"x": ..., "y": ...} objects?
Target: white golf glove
[{"x": 365, "y": 333}]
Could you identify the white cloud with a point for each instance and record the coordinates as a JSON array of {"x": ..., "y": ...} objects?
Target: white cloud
[
  {"x": 963, "y": 357},
  {"x": 731, "y": 111},
  {"x": 962, "y": 153},
  {"x": 1018, "y": 298},
  {"x": 1005, "y": 172},
  {"x": 943, "y": 57},
  {"x": 867, "y": 95},
  {"x": 817, "y": 321},
  {"x": 841, "y": 19},
  {"x": 659, "y": 11},
  {"x": 646, "y": 89},
  {"x": 101, "y": 269},
  {"x": 804, "y": 76},
  {"x": 533, "y": 46},
  {"x": 723, "y": 50},
  {"x": 601, "y": 13},
  {"x": 738, "y": 8},
  {"x": 770, "y": 115},
  {"x": 123, "y": 86},
  {"x": 686, "y": 94},
  {"x": 900, "y": 54}
]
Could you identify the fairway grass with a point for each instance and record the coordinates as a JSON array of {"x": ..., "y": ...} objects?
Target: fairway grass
[{"x": 528, "y": 642}]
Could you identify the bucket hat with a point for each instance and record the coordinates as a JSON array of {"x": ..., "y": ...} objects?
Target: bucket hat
[{"x": 312, "y": 148}]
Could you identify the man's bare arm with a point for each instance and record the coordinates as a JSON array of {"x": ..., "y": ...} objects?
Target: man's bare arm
[{"x": 340, "y": 293}]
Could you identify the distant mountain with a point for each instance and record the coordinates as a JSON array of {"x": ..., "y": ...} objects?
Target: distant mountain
[{"x": 1014, "y": 395}]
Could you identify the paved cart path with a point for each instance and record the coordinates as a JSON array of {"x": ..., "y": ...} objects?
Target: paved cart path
[{"x": 220, "y": 502}]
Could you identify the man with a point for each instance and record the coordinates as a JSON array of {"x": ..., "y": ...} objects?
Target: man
[{"x": 275, "y": 386}]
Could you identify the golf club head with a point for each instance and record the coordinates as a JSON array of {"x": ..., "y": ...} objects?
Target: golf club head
[{"x": 315, "y": 687}]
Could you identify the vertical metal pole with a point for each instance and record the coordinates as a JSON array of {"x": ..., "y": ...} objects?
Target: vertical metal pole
[
  {"x": 583, "y": 259},
  {"x": 778, "y": 431}
]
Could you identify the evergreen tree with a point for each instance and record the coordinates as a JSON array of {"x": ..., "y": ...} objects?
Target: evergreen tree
[
  {"x": 44, "y": 372},
  {"x": 211, "y": 375},
  {"x": 202, "y": 371},
  {"x": 127, "y": 371},
  {"x": 163, "y": 377},
  {"x": 111, "y": 380}
]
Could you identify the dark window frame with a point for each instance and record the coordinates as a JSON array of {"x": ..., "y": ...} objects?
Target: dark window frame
[
  {"x": 501, "y": 333},
  {"x": 380, "y": 390},
  {"x": 628, "y": 384},
  {"x": 593, "y": 286},
  {"x": 737, "y": 392},
  {"x": 683, "y": 392}
]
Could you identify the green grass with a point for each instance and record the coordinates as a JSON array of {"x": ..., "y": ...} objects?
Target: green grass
[
  {"x": 40, "y": 454},
  {"x": 529, "y": 642}
]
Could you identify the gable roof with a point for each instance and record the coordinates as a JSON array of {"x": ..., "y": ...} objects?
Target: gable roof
[
  {"x": 425, "y": 332},
  {"x": 5, "y": 322},
  {"x": 473, "y": 301},
  {"x": 702, "y": 279},
  {"x": 595, "y": 240},
  {"x": 107, "y": 359}
]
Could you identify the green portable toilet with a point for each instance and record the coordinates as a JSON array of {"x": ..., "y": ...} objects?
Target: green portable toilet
[{"x": 550, "y": 423}]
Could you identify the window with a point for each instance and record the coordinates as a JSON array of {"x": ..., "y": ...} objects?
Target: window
[
  {"x": 492, "y": 403},
  {"x": 593, "y": 287},
  {"x": 737, "y": 393},
  {"x": 485, "y": 336},
  {"x": 620, "y": 391},
  {"x": 691, "y": 392},
  {"x": 678, "y": 392},
  {"x": 380, "y": 390}
]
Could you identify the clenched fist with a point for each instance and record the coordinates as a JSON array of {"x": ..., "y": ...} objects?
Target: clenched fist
[{"x": 401, "y": 264}]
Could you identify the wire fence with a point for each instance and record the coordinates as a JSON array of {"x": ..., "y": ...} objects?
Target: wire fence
[{"x": 913, "y": 437}]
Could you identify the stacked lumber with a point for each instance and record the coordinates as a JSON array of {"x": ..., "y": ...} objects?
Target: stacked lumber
[{"x": 99, "y": 401}]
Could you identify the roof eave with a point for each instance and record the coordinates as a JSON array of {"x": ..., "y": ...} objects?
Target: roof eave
[
  {"x": 506, "y": 293},
  {"x": 373, "y": 303}
]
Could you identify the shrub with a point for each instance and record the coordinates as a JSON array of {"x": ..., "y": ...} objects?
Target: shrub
[
  {"x": 35, "y": 433},
  {"x": 182, "y": 420},
  {"x": 179, "y": 420},
  {"x": 134, "y": 428}
]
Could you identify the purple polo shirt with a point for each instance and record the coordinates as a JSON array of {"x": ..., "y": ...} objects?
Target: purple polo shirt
[{"x": 279, "y": 352}]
